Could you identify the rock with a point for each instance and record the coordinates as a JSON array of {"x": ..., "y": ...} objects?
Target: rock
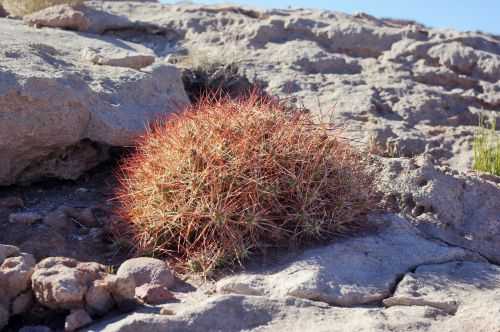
[
  {"x": 122, "y": 288},
  {"x": 15, "y": 274},
  {"x": 35, "y": 328},
  {"x": 146, "y": 270},
  {"x": 466, "y": 290},
  {"x": 61, "y": 16},
  {"x": 66, "y": 127},
  {"x": 4, "y": 316},
  {"x": 59, "y": 220},
  {"x": 77, "y": 319},
  {"x": 153, "y": 294},
  {"x": 355, "y": 271},
  {"x": 3, "y": 13},
  {"x": 61, "y": 283},
  {"x": 86, "y": 19},
  {"x": 457, "y": 208},
  {"x": 27, "y": 218},
  {"x": 118, "y": 58},
  {"x": 98, "y": 298},
  {"x": 11, "y": 202},
  {"x": 83, "y": 216},
  {"x": 7, "y": 251},
  {"x": 22, "y": 303}
]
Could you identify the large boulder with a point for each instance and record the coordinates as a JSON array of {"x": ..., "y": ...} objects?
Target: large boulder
[{"x": 60, "y": 113}]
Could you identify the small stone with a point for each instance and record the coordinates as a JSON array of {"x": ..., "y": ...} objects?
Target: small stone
[
  {"x": 7, "y": 251},
  {"x": 26, "y": 218},
  {"x": 59, "y": 220},
  {"x": 84, "y": 217},
  {"x": 22, "y": 303},
  {"x": 153, "y": 294},
  {"x": 11, "y": 202},
  {"x": 35, "y": 328},
  {"x": 77, "y": 319},
  {"x": 146, "y": 270},
  {"x": 167, "y": 312}
]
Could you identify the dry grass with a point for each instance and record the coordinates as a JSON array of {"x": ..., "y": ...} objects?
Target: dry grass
[
  {"x": 228, "y": 178},
  {"x": 20, "y": 8}
]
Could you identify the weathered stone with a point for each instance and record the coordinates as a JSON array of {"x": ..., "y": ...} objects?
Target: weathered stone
[
  {"x": 459, "y": 209},
  {"x": 22, "y": 303},
  {"x": 7, "y": 251},
  {"x": 76, "y": 320},
  {"x": 146, "y": 270},
  {"x": 468, "y": 291},
  {"x": 15, "y": 274},
  {"x": 122, "y": 289},
  {"x": 57, "y": 121},
  {"x": 355, "y": 271},
  {"x": 117, "y": 58},
  {"x": 153, "y": 294},
  {"x": 27, "y": 218},
  {"x": 98, "y": 298},
  {"x": 11, "y": 202},
  {"x": 61, "y": 283}
]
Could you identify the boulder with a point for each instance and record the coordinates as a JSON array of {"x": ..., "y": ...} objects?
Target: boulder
[
  {"x": 15, "y": 274},
  {"x": 146, "y": 270},
  {"x": 60, "y": 114},
  {"x": 61, "y": 283}
]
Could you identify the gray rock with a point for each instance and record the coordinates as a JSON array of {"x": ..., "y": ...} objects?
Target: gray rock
[
  {"x": 146, "y": 270},
  {"x": 35, "y": 328},
  {"x": 27, "y": 218},
  {"x": 22, "y": 303},
  {"x": 117, "y": 58},
  {"x": 77, "y": 319},
  {"x": 153, "y": 294},
  {"x": 15, "y": 274},
  {"x": 468, "y": 291},
  {"x": 7, "y": 251},
  {"x": 356, "y": 271},
  {"x": 61, "y": 283},
  {"x": 457, "y": 208},
  {"x": 4, "y": 315},
  {"x": 60, "y": 114}
]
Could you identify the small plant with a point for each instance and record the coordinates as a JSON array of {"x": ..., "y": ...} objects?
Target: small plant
[
  {"x": 487, "y": 147},
  {"x": 228, "y": 178},
  {"x": 20, "y": 8}
]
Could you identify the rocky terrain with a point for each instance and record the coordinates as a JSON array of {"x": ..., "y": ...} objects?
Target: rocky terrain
[{"x": 77, "y": 85}]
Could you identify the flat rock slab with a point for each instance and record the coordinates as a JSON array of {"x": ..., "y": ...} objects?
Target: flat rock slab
[
  {"x": 350, "y": 272},
  {"x": 470, "y": 291},
  {"x": 60, "y": 112}
]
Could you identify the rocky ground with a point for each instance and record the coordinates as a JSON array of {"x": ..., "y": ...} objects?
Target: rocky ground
[{"x": 79, "y": 84}]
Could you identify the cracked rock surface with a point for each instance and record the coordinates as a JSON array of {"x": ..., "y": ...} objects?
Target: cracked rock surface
[{"x": 77, "y": 81}]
